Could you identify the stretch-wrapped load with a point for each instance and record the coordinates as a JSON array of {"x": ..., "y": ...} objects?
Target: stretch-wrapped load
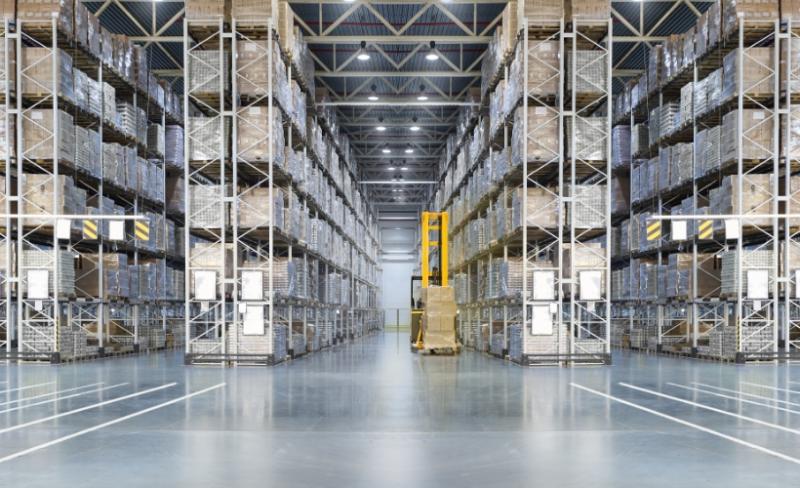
[
  {"x": 542, "y": 208},
  {"x": 45, "y": 10},
  {"x": 761, "y": 11},
  {"x": 38, "y": 191},
  {"x": 541, "y": 140},
  {"x": 204, "y": 69},
  {"x": 756, "y": 198},
  {"x": 756, "y": 133},
  {"x": 621, "y": 146},
  {"x": 173, "y": 146},
  {"x": 37, "y": 134},
  {"x": 757, "y": 73},
  {"x": 540, "y": 11},
  {"x": 46, "y": 259},
  {"x": 591, "y": 73},
  {"x": 207, "y": 142},
  {"x": 590, "y": 135},
  {"x": 115, "y": 276},
  {"x": 254, "y": 208},
  {"x": 206, "y": 207}
]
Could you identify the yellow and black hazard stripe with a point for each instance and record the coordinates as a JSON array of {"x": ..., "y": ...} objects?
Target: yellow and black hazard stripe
[
  {"x": 654, "y": 230},
  {"x": 90, "y": 229},
  {"x": 705, "y": 230},
  {"x": 141, "y": 229}
]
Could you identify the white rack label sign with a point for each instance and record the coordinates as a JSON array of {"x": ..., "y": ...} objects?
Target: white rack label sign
[
  {"x": 758, "y": 284},
  {"x": 38, "y": 280},
  {"x": 541, "y": 320},
  {"x": 544, "y": 285},
  {"x": 591, "y": 288},
  {"x": 116, "y": 230},
  {"x": 205, "y": 285},
  {"x": 252, "y": 285},
  {"x": 253, "y": 323}
]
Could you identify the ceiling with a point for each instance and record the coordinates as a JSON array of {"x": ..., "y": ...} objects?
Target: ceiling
[{"x": 397, "y": 35}]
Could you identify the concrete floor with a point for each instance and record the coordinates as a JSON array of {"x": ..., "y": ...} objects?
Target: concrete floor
[{"x": 372, "y": 414}]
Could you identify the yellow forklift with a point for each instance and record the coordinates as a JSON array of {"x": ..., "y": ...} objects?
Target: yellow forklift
[{"x": 433, "y": 309}]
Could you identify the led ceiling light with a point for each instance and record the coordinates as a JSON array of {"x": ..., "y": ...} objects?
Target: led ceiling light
[
  {"x": 386, "y": 150},
  {"x": 409, "y": 150},
  {"x": 373, "y": 97},
  {"x": 380, "y": 127},
  {"x": 422, "y": 96},
  {"x": 415, "y": 127},
  {"x": 432, "y": 56},
  {"x": 363, "y": 55}
]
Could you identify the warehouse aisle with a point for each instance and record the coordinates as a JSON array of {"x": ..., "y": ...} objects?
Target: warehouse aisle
[{"x": 372, "y": 414}]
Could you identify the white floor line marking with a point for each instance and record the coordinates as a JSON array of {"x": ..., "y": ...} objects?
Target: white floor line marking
[
  {"x": 713, "y": 432},
  {"x": 28, "y": 387},
  {"x": 109, "y": 423},
  {"x": 770, "y": 387},
  {"x": 43, "y": 395},
  {"x": 83, "y": 409},
  {"x": 738, "y": 399},
  {"x": 751, "y": 395},
  {"x": 712, "y": 409},
  {"x": 58, "y": 399}
]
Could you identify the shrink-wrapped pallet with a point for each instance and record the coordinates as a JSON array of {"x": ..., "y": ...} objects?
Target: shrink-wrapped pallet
[
  {"x": 255, "y": 210},
  {"x": 88, "y": 150},
  {"x": 640, "y": 139},
  {"x": 751, "y": 259},
  {"x": 43, "y": 11},
  {"x": 38, "y": 76},
  {"x": 542, "y": 208},
  {"x": 155, "y": 139},
  {"x": 620, "y": 194},
  {"x": 590, "y": 73},
  {"x": 541, "y": 140},
  {"x": 757, "y": 198},
  {"x": 587, "y": 10},
  {"x": 756, "y": 131},
  {"x": 751, "y": 11},
  {"x": 58, "y": 261},
  {"x": 621, "y": 146},
  {"x": 174, "y": 195},
  {"x": 206, "y": 140},
  {"x": 244, "y": 10},
  {"x": 208, "y": 9},
  {"x": 38, "y": 192},
  {"x": 254, "y": 137},
  {"x": 173, "y": 146},
  {"x": 38, "y": 136},
  {"x": 115, "y": 276},
  {"x": 590, "y": 136},
  {"x": 204, "y": 69},
  {"x": 757, "y": 73},
  {"x": 543, "y": 68},
  {"x": 548, "y": 12},
  {"x": 206, "y": 207},
  {"x": 587, "y": 209}
]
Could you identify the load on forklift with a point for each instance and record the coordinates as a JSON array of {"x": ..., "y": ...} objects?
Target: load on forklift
[{"x": 433, "y": 309}]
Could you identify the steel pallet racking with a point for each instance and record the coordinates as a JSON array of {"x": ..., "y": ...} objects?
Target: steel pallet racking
[{"x": 236, "y": 311}]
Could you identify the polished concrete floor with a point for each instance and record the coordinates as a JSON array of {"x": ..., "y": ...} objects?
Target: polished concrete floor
[{"x": 371, "y": 414}]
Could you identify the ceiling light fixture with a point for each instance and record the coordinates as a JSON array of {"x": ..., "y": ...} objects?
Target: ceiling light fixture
[
  {"x": 373, "y": 97},
  {"x": 363, "y": 55},
  {"x": 380, "y": 127},
  {"x": 432, "y": 56},
  {"x": 404, "y": 168},
  {"x": 415, "y": 127},
  {"x": 409, "y": 150},
  {"x": 386, "y": 150}
]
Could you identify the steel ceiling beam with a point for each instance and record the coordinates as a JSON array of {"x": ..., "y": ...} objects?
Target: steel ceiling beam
[{"x": 396, "y": 39}]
